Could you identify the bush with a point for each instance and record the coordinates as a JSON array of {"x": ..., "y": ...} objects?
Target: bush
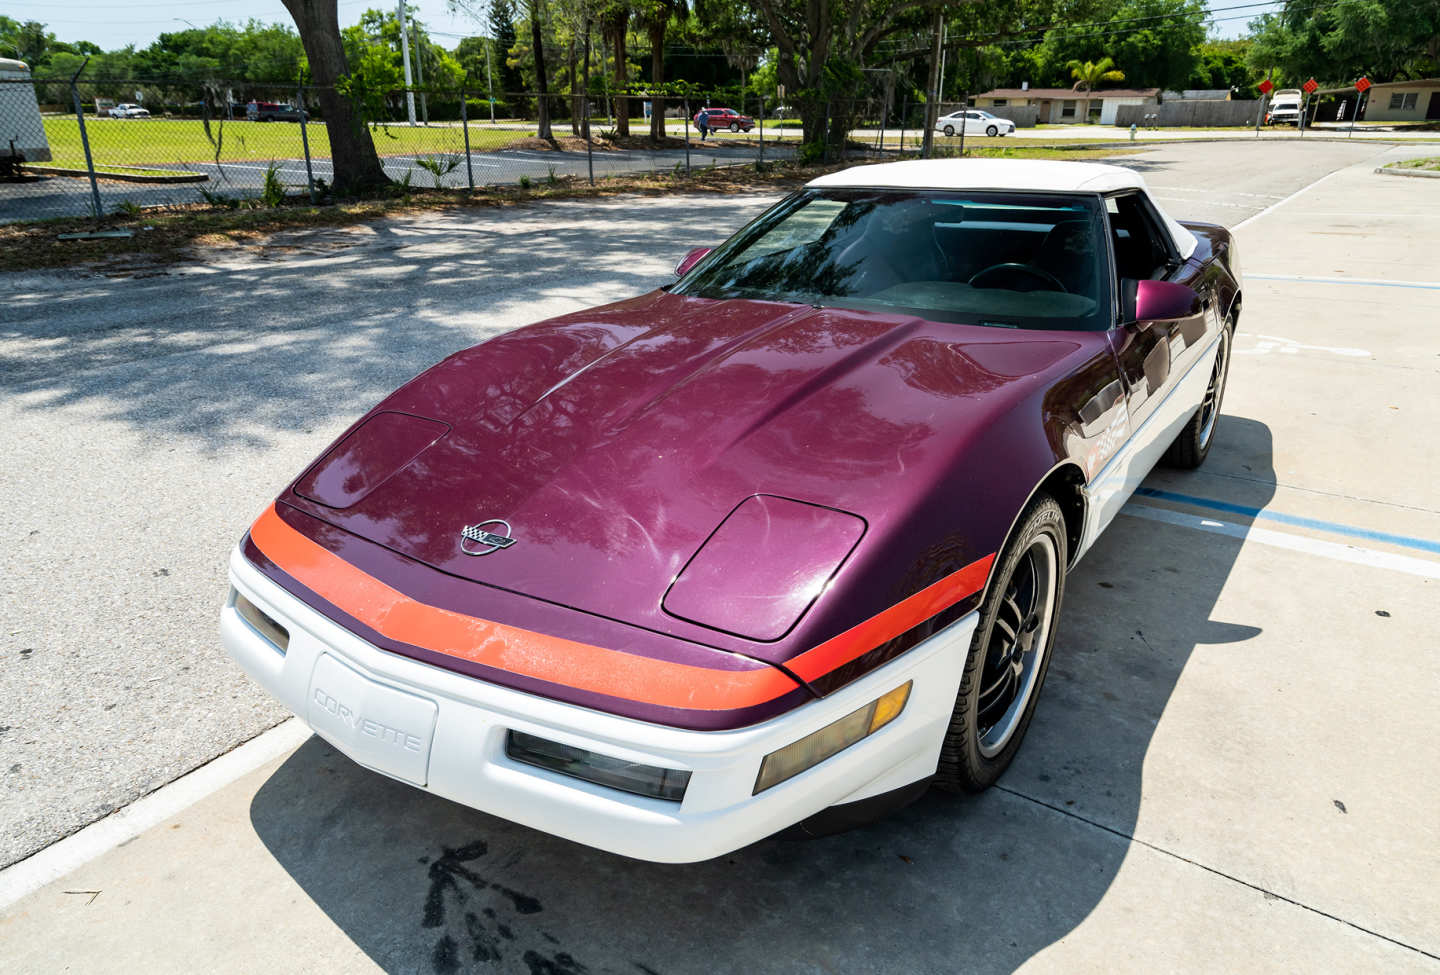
[{"x": 272, "y": 193}]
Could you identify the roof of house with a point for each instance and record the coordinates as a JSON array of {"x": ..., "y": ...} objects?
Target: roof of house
[
  {"x": 1417, "y": 83},
  {"x": 1069, "y": 93},
  {"x": 1001, "y": 174}
]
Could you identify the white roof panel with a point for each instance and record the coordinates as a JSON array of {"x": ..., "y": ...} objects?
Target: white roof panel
[{"x": 1002, "y": 174}]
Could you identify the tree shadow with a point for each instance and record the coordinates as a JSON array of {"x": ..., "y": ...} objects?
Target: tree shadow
[
  {"x": 980, "y": 883},
  {"x": 320, "y": 325}
]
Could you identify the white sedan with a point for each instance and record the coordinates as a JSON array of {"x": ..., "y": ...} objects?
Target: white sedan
[
  {"x": 127, "y": 110},
  {"x": 972, "y": 121}
]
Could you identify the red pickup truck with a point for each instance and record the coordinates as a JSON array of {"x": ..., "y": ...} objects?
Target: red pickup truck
[{"x": 726, "y": 118}]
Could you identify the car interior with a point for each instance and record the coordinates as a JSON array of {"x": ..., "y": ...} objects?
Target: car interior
[{"x": 1018, "y": 260}]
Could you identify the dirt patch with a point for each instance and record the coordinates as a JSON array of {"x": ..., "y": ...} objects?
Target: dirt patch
[{"x": 188, "y": 233}]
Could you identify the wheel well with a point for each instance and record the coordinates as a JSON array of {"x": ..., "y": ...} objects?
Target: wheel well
[{"x": 1066, "y": 484}]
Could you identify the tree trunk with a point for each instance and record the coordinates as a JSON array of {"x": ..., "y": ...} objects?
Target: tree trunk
[
  {"x": 932, "y": 96},
  {"x": 542, "y": 99},
  {"x": 357, "y": 167},
  {"x": 585, "y": 87},
  {"x": 574, "y": 91},
  {"x": 657, "y": 77},
  {"x": 622, "y": 104}
]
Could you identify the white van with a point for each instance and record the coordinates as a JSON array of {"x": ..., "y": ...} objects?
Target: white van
[
  {"x": 21, "y": 131},
  {"x": 1285, "y": 107}
]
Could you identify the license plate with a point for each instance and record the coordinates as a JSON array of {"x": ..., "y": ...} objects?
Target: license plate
[{"x": 379, "y": 726}]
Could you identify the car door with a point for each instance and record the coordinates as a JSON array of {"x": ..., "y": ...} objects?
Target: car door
[{"x": 1151, "y": 354}]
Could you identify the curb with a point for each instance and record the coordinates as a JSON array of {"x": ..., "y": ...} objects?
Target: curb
[
  {"x": 179, "y": 177},
  {"x": 1414, "y": 173}
]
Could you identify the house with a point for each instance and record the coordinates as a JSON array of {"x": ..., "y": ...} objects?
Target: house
[
  {"x": 1404, "y": 101},
  {"x": 1065, "y": 105}
]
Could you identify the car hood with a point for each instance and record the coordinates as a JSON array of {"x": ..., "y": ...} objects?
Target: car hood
[{"x": 613, "y": 442}]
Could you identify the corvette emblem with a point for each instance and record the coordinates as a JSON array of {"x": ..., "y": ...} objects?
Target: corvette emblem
[{"x": 487, "y": 541}]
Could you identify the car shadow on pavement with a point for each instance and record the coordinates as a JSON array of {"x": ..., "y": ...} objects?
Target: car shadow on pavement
[{"x": 949, "y": 884}]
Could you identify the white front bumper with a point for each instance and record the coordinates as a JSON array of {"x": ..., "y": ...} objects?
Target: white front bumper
[{"x": 464, "y": 758}]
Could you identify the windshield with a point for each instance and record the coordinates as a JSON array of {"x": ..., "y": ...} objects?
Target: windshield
[{"x": 1016, "y": 260}]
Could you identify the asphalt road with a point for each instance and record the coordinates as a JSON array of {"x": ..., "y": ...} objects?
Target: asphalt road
[
  {"x": 59, "y": 196},
  {"x": 1234, "y": 754}
]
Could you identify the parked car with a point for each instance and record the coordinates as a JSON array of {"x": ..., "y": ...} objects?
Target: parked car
[
  {"x": 273, "y": 112},
  {"x": 783, "y": 541},
  {"x": 127, "y": 110},
  {"x": 726, "y": 118},
  {"x": 972, "y": 122},
  {"x": 1285, "y": 107}
]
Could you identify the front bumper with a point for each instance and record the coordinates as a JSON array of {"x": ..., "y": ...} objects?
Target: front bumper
[{"x": 445, "y": 732}]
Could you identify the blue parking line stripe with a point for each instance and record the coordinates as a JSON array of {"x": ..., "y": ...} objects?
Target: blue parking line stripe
[
  {"x": 1406, "y": 541},
  {"x": 1367, "y": 282}
]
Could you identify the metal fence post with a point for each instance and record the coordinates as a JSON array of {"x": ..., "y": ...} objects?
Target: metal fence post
[
  {"x": 85, "y": 141},
  {"x": 305, "y": 138},
  {"x": 964, "y": 107},
  {"x": 761, "y": 121},
  {"x": 589, "y": 140},
  {"x": 465, "y": 127},
  {"x": 685, "y": 105},
  {"x": 904, "y": 109}
]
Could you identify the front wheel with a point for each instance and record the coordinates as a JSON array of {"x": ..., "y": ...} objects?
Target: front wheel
[
  {"x": 992, "y": 131},
  {"x": 1009, "y": 653},
  {"x": 1192, "y": 446},
  {"x": 734, "y": 127}
]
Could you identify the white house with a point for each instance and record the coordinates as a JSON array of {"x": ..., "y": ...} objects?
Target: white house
[
  {"x": 1065, "y": 105},
  {"x": 1404, "y": 101}
]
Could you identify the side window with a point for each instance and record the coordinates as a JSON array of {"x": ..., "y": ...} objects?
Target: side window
[{"x": 1141, "y": 248}]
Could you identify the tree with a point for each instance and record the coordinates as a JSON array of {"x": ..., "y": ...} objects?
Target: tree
[
  {"x": 1089, "y": 74},
  {"x": 1337, "y": 43},
  {"x": 1222, "y": 64},
  {"x": 615, "y": 26},
  {"x": 356, "y": 165},
  {"x": 542, "y": 100},
  {"x": 657, "y": 15},
  {"x": 821, "y": 46},
  {"x": 1155, "y": 41}
]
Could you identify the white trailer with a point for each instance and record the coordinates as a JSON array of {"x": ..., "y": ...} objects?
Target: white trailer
[{"x": 21, "y": 130}]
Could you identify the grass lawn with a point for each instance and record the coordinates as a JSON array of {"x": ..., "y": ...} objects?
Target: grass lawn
[
  {"x": 1429, "y": 163},
  {"x": 166, "y": 142}
]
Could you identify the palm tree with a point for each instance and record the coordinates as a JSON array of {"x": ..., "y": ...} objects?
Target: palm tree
[{"x": 1089, "y": 74}]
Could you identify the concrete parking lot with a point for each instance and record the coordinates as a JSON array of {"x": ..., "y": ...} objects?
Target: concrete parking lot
[{"x": 1233, "y": 763}]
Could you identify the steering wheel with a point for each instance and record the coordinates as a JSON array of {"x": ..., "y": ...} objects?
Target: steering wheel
[{"x": 1014, "y": 267}]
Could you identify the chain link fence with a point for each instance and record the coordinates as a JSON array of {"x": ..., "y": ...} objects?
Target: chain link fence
[{"x": 87, "y": 148}]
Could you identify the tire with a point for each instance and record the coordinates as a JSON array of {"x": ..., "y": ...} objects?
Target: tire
[
  {"x": 1192, "y": 446},
  {"x": 987, "y": 727},
  {"x": 992, "y": 131},
  {"x": 734, "y": 126},
  {"x": 949, "y": 131}
]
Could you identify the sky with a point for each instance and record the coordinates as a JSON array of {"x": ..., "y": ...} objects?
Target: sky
[{"x": 115, "y": 23}]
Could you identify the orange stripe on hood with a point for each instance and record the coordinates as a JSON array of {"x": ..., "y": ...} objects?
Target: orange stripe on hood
[{"x": 581, "y": 665}]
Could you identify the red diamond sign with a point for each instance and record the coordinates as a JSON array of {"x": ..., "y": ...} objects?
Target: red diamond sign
[
  {"x": 1362, "y": 85},
  {"x": 1310, "y": 86},
  {"x": 1266, "y": 87}
]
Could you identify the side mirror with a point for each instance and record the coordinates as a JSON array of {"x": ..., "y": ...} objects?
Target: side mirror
[
  {"x": 1158, "y": 301},
  {"x": 690, "y": 260}
]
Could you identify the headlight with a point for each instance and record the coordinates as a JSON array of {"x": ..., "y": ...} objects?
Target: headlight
[
  {"x": 262, "y": 623},
  {"x": 616, "y": 773},
  {"x": 814, "y": 748}
]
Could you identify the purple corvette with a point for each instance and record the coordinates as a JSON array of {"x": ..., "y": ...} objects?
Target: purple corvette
[{"x": 783, "y": 542}]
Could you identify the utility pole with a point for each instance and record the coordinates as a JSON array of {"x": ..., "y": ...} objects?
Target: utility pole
[
  {"x": 489, "y": 81},
  {"x": 405, "y": 56},
  {"x": 420, "y": 77},
  {"x": 927, "y": 146}
]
